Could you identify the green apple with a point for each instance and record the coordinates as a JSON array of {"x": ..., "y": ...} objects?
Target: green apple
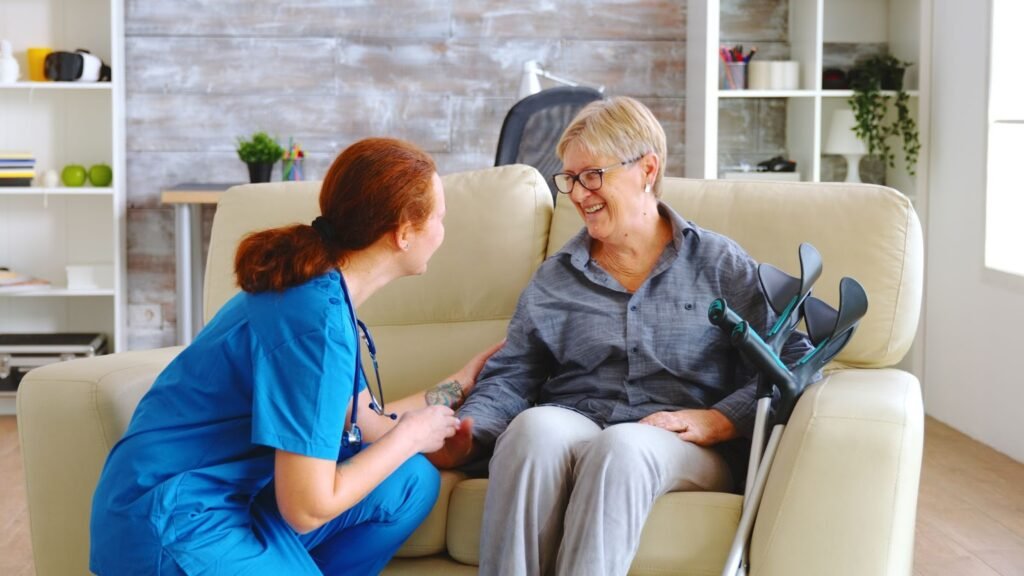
[
  {"x": 100, "y": 175},
  {"x": 73, "y": 175}
]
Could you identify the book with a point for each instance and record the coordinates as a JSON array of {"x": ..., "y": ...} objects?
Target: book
[{"x": 16, "y": 282}]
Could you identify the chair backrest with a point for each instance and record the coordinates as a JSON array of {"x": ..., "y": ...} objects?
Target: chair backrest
[
  {"x": 427, "y": 326},
  {"x": 865, "y": 231},
  {"x": 534, "y": 125}
]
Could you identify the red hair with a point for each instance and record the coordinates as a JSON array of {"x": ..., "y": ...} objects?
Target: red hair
[{"x": 373, "y": 187}]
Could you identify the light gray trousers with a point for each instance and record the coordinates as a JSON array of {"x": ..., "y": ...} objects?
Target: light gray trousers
[{"x": 566, "y": 497}]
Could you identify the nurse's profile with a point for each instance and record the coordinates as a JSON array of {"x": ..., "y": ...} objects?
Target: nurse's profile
[{"x": 259, "y": 449}]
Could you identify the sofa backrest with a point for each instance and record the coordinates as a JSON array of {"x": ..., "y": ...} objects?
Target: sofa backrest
[
  {"x": 867, "y": 232},
  {"x": 424, "y": 327}
]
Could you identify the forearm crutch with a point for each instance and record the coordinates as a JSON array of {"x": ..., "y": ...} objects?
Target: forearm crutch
[
  {"x": 829, "y": 331},
  {"x": 786, "y": 296}
]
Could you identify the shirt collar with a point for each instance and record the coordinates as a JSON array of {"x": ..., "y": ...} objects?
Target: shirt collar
[{"x": 578, "y": 247}]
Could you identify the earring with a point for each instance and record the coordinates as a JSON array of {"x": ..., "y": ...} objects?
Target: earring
[
  {"x": 405, "y": 246},
  {"x": 647, "y": 188}
]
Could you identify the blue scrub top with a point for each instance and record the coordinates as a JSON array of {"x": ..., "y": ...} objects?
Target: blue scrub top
[{"x": 271, "y": 371}]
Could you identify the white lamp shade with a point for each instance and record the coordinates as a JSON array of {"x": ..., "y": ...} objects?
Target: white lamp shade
[{"x": 841, "y": 138}]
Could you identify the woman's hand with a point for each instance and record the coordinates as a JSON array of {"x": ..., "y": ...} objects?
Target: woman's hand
[
  {"x": 457, "y": 450},
  {"x": 427, "y": 428},
  {"x": 702, "y": 427},
  {"x": 466, "y": 377}
]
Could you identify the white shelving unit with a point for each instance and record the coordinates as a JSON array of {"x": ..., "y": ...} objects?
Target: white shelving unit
[
  {"x": 44, "y": 230},
  {"x": 813, "y": 24}
]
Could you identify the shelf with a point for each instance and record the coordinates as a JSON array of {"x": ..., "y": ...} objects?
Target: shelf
[
  {"x": 100, "y": 86},
  {"x": 767, "y": 93},
  {"x": 800, "y": 93},
  {"x": 848, "y": 93},
  {"x": 61, "y": 191},
  {"x": 56, "y": 292}
]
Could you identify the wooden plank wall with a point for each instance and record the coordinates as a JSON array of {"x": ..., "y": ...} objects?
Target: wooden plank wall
[{"x": 441, "y": 73}]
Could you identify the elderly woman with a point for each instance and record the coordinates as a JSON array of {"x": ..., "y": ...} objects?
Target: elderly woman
[{"x": 613, "y": 388}]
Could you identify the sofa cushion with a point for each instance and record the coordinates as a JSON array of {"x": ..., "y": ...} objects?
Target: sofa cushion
[
  {"x": 868, "y": 232},
  {"x": 429, "y": 538},
  {"x": 685, "y": 529},
  {"x": 497, "y": 220},
  {"x": 850, "y": 418}
]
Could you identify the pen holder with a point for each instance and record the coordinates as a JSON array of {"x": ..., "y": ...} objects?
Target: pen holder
[
  {"x": 733, "y": 76},
  {"x": 292, "y": 169}
]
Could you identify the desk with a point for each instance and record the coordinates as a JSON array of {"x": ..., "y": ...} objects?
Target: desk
[{"x": 188, "y": 199}]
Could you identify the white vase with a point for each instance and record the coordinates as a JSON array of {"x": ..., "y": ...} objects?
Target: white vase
[{"x": 9, "y": 69}]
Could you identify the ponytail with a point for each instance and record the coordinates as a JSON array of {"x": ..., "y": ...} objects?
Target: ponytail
[{"x": 372, "y": 187}]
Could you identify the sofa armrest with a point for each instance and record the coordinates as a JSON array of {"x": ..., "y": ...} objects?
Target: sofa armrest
[
  {"x": 70, "y": 414},
  {"x": 842, "y": 494}
]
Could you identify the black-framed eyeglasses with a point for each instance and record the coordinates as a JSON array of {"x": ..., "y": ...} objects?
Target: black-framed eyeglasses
[
  {"x": 590, "y": 179},
  {"x": 376, "y": 406}
]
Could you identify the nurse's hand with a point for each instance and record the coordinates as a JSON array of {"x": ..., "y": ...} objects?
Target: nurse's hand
[
  {"x": 457, "y": 450},
  {"x": 466, "y": 377},
  {"x": 427, "y": 428}
]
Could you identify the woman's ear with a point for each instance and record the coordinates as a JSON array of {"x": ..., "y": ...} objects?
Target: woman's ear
[
  {"x": 650, "y": 163},
  {"x": 402, "y": 235}
]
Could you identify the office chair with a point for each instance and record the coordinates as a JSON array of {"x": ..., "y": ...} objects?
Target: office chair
[{"x": 534, "y": 124}]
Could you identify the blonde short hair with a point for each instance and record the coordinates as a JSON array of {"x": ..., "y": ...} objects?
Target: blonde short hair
[{"x": 619, "y": 127}]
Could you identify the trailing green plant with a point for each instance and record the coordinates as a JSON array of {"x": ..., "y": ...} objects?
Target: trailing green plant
[
  {"x": 260, "y": 149},
  {"x": 870, "y": 107}
]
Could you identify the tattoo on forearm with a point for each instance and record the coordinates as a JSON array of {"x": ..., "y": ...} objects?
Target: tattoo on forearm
[{"x": 444, "y": 394}]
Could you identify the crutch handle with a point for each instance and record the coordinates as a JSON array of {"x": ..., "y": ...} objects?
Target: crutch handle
[
  {"x": 768, "y": 363},
  {"x": 722, "y": 316}
]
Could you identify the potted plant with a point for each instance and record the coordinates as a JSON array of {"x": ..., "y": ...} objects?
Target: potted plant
[
  {"x": 870, "y": 106},
  {"x": 259, "y": 153}
]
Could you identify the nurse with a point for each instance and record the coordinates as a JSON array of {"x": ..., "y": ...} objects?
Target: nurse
[{"x": 249, "y": 454}]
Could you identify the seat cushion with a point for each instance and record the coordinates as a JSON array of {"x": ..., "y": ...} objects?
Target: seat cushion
[
  {"x": 689, "y": 531},
  {"x": 429, "y": 538}
]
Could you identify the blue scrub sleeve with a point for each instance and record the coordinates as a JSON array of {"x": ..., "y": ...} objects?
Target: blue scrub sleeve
[{"x": 301, "y": 391}]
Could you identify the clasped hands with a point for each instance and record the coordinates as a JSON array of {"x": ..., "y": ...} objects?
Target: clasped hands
[{"x": 702, "y": 427}]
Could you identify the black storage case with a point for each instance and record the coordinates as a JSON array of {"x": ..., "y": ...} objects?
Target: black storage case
[{"x": 20, "y": 353}]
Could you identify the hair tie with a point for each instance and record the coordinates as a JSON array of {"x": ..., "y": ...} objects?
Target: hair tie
[{"x": 324, "y": 229}]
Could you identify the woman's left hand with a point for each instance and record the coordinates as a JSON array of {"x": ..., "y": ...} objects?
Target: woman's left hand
[
  {"x": 702, "y": 427},
  {"x": 466, "y": 377}
]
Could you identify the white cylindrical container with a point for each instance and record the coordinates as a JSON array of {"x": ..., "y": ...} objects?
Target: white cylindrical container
[
  {"x": 790, "y": 75},
  {"x": 759, "y": 74}
]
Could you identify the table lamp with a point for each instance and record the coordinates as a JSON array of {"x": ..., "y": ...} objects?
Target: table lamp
[
  {"x": 532, "y": 73},
  {"x": 843, "y": 141}
]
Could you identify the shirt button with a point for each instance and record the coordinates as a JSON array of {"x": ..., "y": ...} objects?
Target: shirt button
[
  {"x": 333, "y": 276},
  {"x": 688, "y": 306},
  {"x": 636, "y": 348},
  {"x": 633, "y": 307},
  {"x": 333, "y": 300}
]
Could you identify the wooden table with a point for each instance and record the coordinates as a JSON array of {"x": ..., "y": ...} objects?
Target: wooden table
[{"x": 188, "y": 199}]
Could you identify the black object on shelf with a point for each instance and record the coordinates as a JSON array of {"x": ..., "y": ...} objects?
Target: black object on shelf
[
  {"x": 834, "y": 79},
  {"x": 20, "y": 353},
  {"x": 777, "y": 164}
]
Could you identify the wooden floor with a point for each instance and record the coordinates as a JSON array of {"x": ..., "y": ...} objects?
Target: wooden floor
[{"x": 970, "y": 519}]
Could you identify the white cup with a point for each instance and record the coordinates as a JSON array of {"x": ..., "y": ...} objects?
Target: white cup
[
  {"x": 759, "y": 75},
  {"x": 773, "y": 75}
]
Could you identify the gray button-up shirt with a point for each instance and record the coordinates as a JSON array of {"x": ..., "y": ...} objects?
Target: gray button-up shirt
[{"x": 579, "y": 340}]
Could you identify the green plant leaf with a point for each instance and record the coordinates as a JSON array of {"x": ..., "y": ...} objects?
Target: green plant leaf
[{"x": 260, "y": 149}]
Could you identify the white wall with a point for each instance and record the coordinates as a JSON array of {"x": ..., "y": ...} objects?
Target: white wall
[{"x": 974, "y": 318}]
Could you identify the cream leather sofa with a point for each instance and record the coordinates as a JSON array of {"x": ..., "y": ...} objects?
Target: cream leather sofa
[{"x": 841, "y": 498}]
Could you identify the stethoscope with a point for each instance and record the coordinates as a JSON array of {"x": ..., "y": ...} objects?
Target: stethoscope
[{"x": 353, "y": 437}]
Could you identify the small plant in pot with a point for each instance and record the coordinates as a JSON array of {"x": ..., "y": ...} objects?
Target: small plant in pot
[
  {"x": 868, "y": 79},
  {"x": 259, "y": 153}
]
